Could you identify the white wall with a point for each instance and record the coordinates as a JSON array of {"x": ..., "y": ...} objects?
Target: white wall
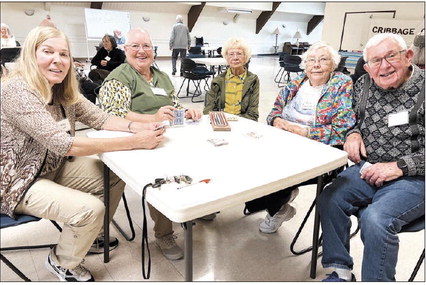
[
  {"x": 335, "y": 12},
  {"x": 69, "y": 17}
]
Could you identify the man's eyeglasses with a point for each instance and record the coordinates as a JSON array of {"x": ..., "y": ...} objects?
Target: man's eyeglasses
[
  {"x": 312, "y": 61},
  {"x": 393, "y": 57},
  {"x": 136, "y": 47}
]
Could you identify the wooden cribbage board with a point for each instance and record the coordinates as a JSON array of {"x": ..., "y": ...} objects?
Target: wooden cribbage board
[{"x": 219, "y": 121}]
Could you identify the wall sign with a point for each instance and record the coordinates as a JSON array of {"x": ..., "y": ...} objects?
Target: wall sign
[{"x": 405, "y": 28}]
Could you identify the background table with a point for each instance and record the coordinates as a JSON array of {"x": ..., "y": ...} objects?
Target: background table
[
  {"x": 213, "y": 62},
  {"x": 244, "y": 169}
]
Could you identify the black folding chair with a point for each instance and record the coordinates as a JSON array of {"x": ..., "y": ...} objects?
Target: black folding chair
[
  {"x": 195, "y": 74},
  {"x": 6, "y": 222},
  {"x": 8, "y": 55},
  {"x": 289, "y": 64}
]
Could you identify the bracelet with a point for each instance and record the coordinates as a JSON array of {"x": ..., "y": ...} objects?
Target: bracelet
[{"x": 128, "y": 126}]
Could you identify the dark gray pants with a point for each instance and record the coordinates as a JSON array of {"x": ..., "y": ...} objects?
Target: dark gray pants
[{"x": 175, "y": 53}]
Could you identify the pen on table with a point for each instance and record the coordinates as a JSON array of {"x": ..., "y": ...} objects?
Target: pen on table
[{"x": 201, "y": 181}]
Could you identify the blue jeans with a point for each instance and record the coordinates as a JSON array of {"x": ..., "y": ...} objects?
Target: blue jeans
[{"x": 384, "y": 210}]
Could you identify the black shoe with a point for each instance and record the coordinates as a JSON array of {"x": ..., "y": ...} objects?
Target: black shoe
[
  {"x": 174, "y": 73},
  {"x": 181, "y": 74},
  {"x": 98, "y": 245}
]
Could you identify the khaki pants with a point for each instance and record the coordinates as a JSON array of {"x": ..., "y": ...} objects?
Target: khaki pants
[
  {"x": 73, "y": 194},
  {"x": 162, "y": 225}
]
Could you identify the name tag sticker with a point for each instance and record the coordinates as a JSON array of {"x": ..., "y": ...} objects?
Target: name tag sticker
[
  {"x": 159, "y": 91},
  {"x": 398, "y": 119},
  {"x": 107, "y": 58},
  {"x": 64, "y": 125},
  {"x": 308, "y": 105}
]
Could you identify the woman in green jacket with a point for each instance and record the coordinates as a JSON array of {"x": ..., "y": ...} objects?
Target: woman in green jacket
[{"x": 235, "y": 91}]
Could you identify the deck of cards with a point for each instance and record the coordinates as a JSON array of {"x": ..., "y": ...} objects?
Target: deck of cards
[{"x": 365, "y": 166}]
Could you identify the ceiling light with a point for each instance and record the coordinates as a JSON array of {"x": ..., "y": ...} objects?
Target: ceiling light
[
  {"x": 29, "y": 12},
  {"x": 239, "y": 11}
]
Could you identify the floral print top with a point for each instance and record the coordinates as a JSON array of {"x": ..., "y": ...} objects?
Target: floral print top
[{"x": 334, "y": 113}]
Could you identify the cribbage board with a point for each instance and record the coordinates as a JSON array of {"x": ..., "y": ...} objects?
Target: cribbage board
[{"x": 219, "y": 121}]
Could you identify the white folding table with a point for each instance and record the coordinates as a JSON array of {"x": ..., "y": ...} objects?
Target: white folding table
[
  {"x": 257, "y": 160},
  {"x": 213, "y": 62}
]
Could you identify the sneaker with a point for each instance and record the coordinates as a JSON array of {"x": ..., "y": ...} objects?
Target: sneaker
[
  {"x": 77, "y": 274},
  {"x": 98, "y": 245},
  {"x": 169, "y": 247},
  {"x": 334, "y": 277},
  {"x": 271, "y": 224},
  {"x": 293, "y": 195},
  {"x": 209, "y": 217}
]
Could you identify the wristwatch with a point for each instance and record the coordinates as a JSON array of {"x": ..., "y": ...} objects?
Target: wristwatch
[{"x": 403, "y": 166}]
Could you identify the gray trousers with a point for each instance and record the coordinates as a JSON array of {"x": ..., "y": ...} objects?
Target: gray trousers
[{"x": 175, "y": 53}]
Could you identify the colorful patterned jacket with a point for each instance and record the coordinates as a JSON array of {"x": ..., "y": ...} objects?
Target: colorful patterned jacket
[{"x": 334, "y": 114}]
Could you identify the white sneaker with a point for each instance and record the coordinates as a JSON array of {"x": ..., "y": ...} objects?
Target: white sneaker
[
  {"x": 271, "y": 224},
  {"x": 169, "y": 247},
  {"x": 77, "y": 274},
  {"x": 293, "y": 195}
]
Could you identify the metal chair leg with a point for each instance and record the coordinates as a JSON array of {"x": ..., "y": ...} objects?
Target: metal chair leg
[
  {"x": 129, "y": 218},
  {"x": 279, "y": 76},
  {"x": 14, "y": 268},
  {"x": 198, "y": 92},
  {"x": 416, "y": 268},
  {"x": 183, "y": 82},
  {"x": 25, "y": 247}
]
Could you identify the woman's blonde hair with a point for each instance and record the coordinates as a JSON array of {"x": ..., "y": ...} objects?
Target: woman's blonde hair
[
  {"x": 67, "y": 92},
  {"x": 237, "y": 43}
]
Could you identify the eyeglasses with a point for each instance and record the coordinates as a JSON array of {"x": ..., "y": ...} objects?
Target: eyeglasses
[
  {"x": 393, "y": 57},
  {"x": 237, "y": 54},
  {"x": 312, "y": 61},
  {"x": 137, "y": 47}
]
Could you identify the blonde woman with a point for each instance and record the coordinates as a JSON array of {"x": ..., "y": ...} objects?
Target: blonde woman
[
  {"x": 44, "y": 171},
  {"x": 235, "y": 91}
]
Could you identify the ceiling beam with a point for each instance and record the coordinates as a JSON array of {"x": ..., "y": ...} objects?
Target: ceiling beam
[
  {"x": 96, "y": 5},
  {"x": 313, "y": 23},
  {"x": 193, "y": 14},
  {"x": 265, "y": 16}
]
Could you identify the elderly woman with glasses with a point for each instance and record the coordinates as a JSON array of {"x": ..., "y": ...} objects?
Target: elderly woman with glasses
[
  {"x": 139, "y": 92},
  {"x": 316, "y": 104},
  {"x": 236, "y": 91}
]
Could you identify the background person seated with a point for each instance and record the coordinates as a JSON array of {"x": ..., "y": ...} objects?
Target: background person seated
[
  {"x": 106, "y": 59},
  {"x": 7, "y": 39}
]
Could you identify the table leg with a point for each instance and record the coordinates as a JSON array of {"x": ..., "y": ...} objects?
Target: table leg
[
  {"x": 188, "y": 251},
  {"x": 315, "y": 237},
  {"x": 106, "y": 218}
]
